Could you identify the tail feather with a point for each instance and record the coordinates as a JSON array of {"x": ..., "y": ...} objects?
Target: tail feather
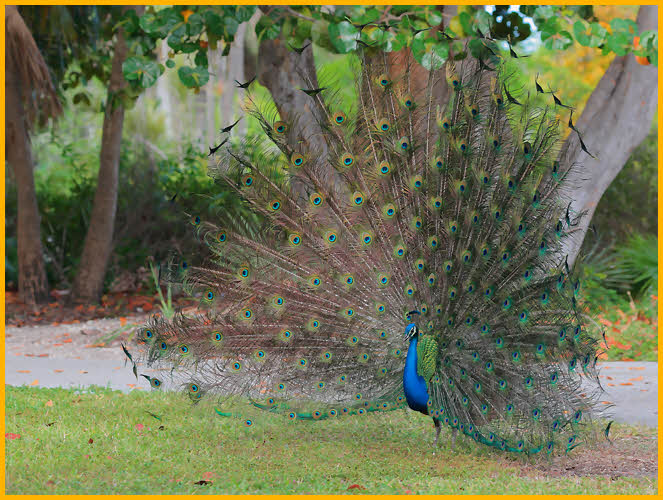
[{"x": 402, "y": 202}]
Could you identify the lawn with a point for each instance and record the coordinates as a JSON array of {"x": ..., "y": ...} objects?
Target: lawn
[{"x": 100, "y": 441}]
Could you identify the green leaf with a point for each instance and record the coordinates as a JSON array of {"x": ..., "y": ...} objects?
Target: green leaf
[
  {"x": 386, "y": 40},
  {"x": 160, "y": 23},
  {"x": 626, "y": 26},
  {"x": 267, "y": 29},
  {"x": 430, "y": 52},
  {"x": 201, "y": 58},
  {"x": 561, "y": 41},
  {"x": 244, "y": 12},
  {"x": 589, "y": 35},
  {"x": 170, "y": 63},
  {"x": 131, "y": 21},
  {"x": 193, "y": 77},
  {"x": 320, "y": 35},
  {"x": 483, "y": 21},
  {"x": 230, "y": 25},
  {"x": 194, "y": 24},
  {"x": 343, "y": 36},
  {"x": 214, "y": 23},
  {"x": 141, "y": 70},
  {"x": 619, "y": 43}
]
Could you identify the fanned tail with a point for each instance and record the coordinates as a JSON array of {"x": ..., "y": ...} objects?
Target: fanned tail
[{"x": 369, "y": 211}]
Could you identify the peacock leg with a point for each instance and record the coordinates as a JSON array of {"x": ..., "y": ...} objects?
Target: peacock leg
[
  {"x": 438, "y": 428},
  {"x": 453, "y": 438}
]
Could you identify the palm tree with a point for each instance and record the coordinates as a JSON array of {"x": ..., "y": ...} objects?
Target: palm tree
[{"x": 29, "y": 97}]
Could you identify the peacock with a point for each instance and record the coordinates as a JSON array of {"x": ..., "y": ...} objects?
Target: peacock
[{"x": 404, "y": 250}]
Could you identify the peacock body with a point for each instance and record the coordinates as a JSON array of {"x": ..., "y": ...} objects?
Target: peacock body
[{"x": 406, "y": 253}]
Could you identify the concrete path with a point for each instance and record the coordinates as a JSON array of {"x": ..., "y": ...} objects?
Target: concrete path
[{"x": 631, "y": 386}]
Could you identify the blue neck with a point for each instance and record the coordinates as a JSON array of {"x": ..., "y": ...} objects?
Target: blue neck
[{"x": 414, "y": 385}]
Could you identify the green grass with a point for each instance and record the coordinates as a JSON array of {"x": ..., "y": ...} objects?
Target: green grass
[{"x": 386, "y": 453}]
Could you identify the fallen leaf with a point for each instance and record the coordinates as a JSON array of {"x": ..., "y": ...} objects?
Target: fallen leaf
[
  {"x": 626, "y": 383},
  {"x": 208, "y": 475},
  {"x": 49, "y": 403},
  {"x": 91, "y": 441},
  {"x": 610, "y": 385},
  {"x": 607, "y": 377},
  {"x": 636, "y": 379},
  {"x": 23, "y": 371},
  {"x": 35, "y": 382},
  {"x": 636, "y": 367},
  {"x": 42, "y": 355},
  {"x": 11, "y": 435},
  {"x": 356, "y": 487},
  {"x": 58, "y": 371},
  {"x": 68, "y": 341},
  {"x": 82, "y": 371},
  {"x": 140, "y": 427}
]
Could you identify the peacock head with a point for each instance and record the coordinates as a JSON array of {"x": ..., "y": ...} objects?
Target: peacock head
[{"x": 411, "y": 331}]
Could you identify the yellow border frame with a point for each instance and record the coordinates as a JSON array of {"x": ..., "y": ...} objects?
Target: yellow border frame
[{"x": 301, "y": 2}]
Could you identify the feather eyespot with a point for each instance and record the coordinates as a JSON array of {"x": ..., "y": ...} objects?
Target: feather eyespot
[
  {"x": 357, "y": 198},
  {"x": 275, "y": 205},
  {"x": 332, "y": 237},
  {"x": 384, "y": 168},
  {"x": 221, "y": 236},
  {"x": 297, "y": 160},
  {"x": 247, "y": 181},
  {"x": 383, "y": 125},
  {"x": 339, "y": 118},
  {"x": 278, "y": 301},
  {"x": 195, "y": 220},
  {"x": 184, "y": 349},
  {"x": 383, "y": 80},
  {"x": 155, "y": 382},
  {"x": 446, "y": 124},
  {"x": 404, "y": 144},
  {"x": 366, "y": 238},
  {"x": 295, "y": 239},
  {"x": 237, "y": 366},
  {"x": 389, "y": 210},
  {"x": 316, "y": 199},
  {"x": 347, "y": 160},
  {"x": 315, "y": 281},
  {"x": 217, "y": 336},
  {"x": 279, "y": 127},
  {"x": 209, "y": 295},
  {"x": 408, "y": 102}
]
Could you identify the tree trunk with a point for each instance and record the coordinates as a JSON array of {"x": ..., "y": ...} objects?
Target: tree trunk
[
  {"x": 89, "y": 281},
  {"x": 616, "y": 119},
  {"x": 32, "y": 281}
]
